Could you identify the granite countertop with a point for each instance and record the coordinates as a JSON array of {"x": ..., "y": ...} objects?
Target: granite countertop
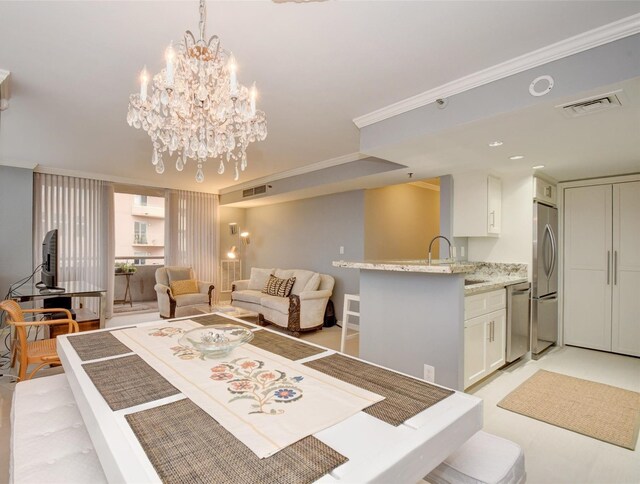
[
  {"x": 495, "y": 276},
  {"x": 490, "y": 283},
  {"x": 437, "y": 267}
]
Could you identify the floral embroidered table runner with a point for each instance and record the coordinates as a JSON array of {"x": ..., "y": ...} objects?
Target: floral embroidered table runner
[{"x": 266, "y": 401}]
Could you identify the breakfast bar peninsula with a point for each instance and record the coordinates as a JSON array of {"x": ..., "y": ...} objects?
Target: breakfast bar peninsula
[{"x": 412, "y": 317}]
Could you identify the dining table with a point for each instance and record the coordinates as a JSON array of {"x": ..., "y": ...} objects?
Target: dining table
[{"x": 147, "y": 424}]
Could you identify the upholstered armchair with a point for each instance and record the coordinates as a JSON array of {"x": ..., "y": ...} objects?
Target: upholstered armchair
[{"x": 178, "y": 291}]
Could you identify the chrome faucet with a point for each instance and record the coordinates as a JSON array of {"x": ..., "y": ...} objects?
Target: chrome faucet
[{"x": 433, "y": 240}]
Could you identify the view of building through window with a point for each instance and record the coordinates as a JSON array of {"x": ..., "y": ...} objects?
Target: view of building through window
[{"x": 139, "y": 226}]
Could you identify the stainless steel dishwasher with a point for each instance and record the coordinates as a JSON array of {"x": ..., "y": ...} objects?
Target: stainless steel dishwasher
[{"x": 518, "y": 316}]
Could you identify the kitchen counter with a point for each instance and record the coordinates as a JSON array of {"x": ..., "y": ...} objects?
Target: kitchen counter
[
  {"x": 490, "y": 283},
  {"x": 437, "y": 267}
]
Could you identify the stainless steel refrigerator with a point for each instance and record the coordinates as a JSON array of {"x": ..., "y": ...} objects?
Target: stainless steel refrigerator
[{"x": 544, "y": 281}]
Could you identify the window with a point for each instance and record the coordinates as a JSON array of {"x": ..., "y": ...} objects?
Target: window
[
  {"x": 139, "y": 232},
  {"x": 139, "y": 226},
  {"x": 140, "y": 262}
]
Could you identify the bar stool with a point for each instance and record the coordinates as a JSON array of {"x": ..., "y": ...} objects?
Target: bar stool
[{"x": 346, "y": 312}]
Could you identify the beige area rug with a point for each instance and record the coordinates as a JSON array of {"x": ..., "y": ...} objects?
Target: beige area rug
[{"x": 606, "y": 413}]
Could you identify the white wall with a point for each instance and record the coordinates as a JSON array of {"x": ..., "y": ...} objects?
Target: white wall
[{"x": 515, "y": 243}]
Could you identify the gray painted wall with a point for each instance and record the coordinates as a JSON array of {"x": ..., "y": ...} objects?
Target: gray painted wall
[
  {"x": 307, "y": 234},
  {"x": 16, "y": 215},
  {"x": 600, "y": 66}
]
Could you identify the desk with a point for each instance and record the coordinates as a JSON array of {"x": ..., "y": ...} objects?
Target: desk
[
  {"x": 71, "y": 289},
  {"x": 376, "y": 450}
]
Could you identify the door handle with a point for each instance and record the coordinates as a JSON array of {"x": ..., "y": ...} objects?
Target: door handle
[
  {"x": 524, "y": 291},
  {"x": 615, "y": 267},
  {"x": 554, "y": 250},
  {"x": 493, "y": 218},
  {"x": 608, "y": 267}
]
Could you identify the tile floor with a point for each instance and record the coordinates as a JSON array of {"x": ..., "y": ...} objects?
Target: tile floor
[{"x": 553, "y": 455}]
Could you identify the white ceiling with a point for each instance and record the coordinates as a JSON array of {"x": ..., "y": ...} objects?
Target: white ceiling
[{"x": 317, "y": 66}]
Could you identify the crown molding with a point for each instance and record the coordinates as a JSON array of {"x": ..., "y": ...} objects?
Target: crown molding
[
  {"x": 573, "y": 45},
  {"x": 19, "y": 164},
  {"x": 340, "y": 160}
]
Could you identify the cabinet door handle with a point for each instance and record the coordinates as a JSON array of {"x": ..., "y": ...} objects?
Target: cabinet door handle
[
  {"x": 615, "y": 267},
  {"x": 608, "y": 267},
  {"x": 493, "y": 218}
]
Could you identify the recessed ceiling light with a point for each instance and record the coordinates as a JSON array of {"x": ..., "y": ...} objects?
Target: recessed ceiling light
[
  {"x": 493, "y": 144},
  {"x": 538, "y": 167},
  {"x": 516, "y": 157}
]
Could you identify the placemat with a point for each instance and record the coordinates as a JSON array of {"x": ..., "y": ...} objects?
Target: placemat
[
  {"x": 186, "y": 445},
  {"x": 93, "y": 346},
  {"x": 283, "y": 346},
  {"x": 405, "y": 397},
  {"x": 128, "y": 381},
  {"x": 209, "y": 319}
]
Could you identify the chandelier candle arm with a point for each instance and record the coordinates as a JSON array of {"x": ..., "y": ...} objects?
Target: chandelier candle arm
[{"x": 196, "y": 108}]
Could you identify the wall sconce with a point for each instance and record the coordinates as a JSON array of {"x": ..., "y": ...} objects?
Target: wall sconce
[
  {"x": 244, "y": 237},
  {"x": 233, "y": 253}
]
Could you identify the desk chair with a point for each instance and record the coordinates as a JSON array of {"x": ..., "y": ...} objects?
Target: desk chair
[{"x": 39, "y": 352}]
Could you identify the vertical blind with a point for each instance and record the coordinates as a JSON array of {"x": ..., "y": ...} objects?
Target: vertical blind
[
  {"x": 80, "y": 209},
  {"x": 191, "y": 236}
]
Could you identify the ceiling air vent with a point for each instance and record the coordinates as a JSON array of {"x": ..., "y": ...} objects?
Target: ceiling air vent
[
  {"x": 250, "y": 192},
  {"x": 592, "y": 105}
]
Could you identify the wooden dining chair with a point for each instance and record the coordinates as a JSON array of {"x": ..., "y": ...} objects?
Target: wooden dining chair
[{"x": 40, "y": 352}]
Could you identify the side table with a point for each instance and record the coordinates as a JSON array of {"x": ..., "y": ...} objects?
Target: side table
[{"x": 127, "y": 291}]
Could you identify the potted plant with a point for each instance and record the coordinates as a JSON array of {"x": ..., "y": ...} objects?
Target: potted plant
[{"x": 125, "y": 268}]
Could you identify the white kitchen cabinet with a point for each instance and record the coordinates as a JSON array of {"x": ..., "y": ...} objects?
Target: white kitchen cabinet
[
  {"x": 484, "y": 335},
  {"x": 602, "y": 267},
  {"x": 544, "y": 191},
  {"x": 477, "y": 205}
]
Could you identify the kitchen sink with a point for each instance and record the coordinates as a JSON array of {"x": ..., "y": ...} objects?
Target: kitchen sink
[{"x": 467, "y": 282}]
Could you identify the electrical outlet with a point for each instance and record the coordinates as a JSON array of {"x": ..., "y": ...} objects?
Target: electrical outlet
[
  {"x": 462, "y": 251},
  {"x": 429, "y": 373},
  {"x": 342, "y": 250}
]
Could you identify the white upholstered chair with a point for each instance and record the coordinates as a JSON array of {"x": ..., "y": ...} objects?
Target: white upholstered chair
[{"x": 173, "y": 305}]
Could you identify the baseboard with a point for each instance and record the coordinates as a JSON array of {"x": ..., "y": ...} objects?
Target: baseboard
[{"x": 351, "y": 326}]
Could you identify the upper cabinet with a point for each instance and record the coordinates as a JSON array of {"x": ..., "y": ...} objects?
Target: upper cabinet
[
  {"x": 477, "y": 205},
  {"x": 544, "y": 191}
]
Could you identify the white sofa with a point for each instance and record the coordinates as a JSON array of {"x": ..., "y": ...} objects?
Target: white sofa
[{"x": 303, "y": 310}]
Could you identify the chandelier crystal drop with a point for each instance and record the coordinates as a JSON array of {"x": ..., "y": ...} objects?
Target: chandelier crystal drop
[{"x": 195, "y": 106}]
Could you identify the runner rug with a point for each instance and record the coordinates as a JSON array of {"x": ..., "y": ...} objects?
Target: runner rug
[
  {"x": 603, "y": 412},
  {"x": 266, "y": 401}
]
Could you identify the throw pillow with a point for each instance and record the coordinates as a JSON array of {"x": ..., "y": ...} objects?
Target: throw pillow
[
  {"x": 313, "y": 284},
  {"x": 188, "y": 286},
  {"x": 279, "y": 287},
  {"x": 259, "y": 278}
]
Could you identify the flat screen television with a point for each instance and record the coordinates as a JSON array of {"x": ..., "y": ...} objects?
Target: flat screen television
[{"x": 49, "y": 270}]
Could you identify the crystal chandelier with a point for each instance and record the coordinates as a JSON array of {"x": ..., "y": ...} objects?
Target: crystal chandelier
[{"x": 196, "y": 107}]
